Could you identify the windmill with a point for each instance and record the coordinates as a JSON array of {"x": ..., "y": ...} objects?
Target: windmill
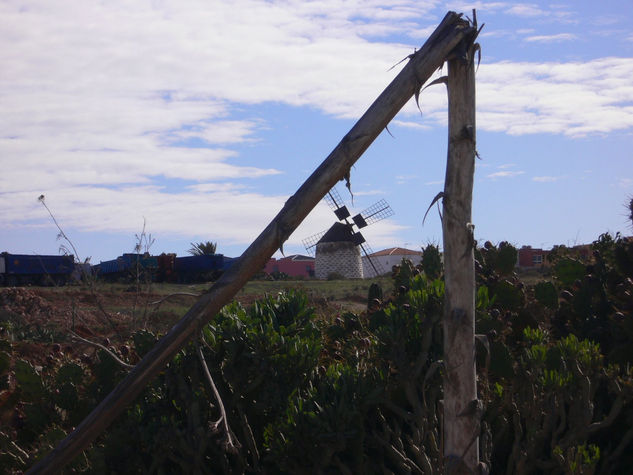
[{"x": 348, "y": 228}]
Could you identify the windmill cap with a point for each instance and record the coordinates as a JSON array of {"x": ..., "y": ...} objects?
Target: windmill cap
[{"x": 339, "y": 232}]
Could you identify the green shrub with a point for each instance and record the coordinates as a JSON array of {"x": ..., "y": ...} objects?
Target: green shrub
[{"x": 361, "y": 393}]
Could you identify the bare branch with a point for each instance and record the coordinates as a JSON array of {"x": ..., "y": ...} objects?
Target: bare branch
[
  {"x": 175, "y": 294},
  {"x": 97, "y": 345},
  {"x": 232, "y": 444}
]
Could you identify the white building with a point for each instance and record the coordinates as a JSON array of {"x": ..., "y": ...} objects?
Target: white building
[{"x": 387, "y": 258}]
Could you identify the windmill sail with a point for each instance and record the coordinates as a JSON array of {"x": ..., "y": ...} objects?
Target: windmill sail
[
  {"x": 377, "y": 212},
  {"x": 373, "y": 263},
  {"x": 334, "y": 200},
  {"x": 310, "y": 242}
]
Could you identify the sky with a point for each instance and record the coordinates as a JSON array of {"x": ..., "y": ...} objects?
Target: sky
[{"x": 196, "y": 120}]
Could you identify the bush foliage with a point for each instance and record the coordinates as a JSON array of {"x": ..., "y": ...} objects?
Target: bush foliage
[{"x": 360, "y": 393}]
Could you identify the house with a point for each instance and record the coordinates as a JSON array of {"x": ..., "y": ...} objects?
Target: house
[
  {"x": 529, "y": 257},
  {"x": 387, "y": 258},
  {"x": 294, "y": 266}
]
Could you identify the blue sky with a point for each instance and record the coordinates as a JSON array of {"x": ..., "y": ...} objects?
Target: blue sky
[{"x": 200, "y": 118}]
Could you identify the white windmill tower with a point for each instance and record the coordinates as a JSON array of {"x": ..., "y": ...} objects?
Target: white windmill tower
[{"x": 339, "y": 250}]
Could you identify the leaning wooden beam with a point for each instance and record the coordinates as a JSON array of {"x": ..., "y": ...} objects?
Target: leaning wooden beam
[
  {"x": 462, "y": 411},
  {"x": 335, "y": 167}
]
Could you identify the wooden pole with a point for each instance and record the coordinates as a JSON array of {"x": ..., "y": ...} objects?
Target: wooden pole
[
  {"x": 462, "y": 410},
  {"x": 335, "y": 167}
]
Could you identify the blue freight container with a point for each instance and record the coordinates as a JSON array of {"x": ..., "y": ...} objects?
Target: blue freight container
[
  {"x": 228, "y": 262},
  {"x": 198, "y": 268},
  {"x": 130, "y": 261},
  {"x": 126, "y": 264},
  {"x": 34, "y": 269},
  {"x": 205, "y": 263},
  {"x": 110, "y": 267},
  {"x": 34, "y": 264}
]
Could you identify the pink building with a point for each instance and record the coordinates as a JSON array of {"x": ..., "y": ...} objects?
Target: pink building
[{"x": 294, "y": 266}]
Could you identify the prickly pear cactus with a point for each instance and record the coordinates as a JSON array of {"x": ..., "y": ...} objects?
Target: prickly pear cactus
[
  {"x": 432, "y": 261},
  {"x": 374, "y": 297}
]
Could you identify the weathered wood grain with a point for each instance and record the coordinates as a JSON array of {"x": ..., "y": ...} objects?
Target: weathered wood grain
[{"x": 462, "y": 410}]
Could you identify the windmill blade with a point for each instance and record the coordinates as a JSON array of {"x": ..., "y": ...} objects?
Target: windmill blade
[
  {"x": 374, "y": 264},
  {"x": 333, "y": 199},
  {"x": 376, "y": 212},
  {"x": 335, "y": 202},
  {"x": 342, "y": 213},
  {"x": 310, "y": 242},
  {"x": 357, "y": 238}
]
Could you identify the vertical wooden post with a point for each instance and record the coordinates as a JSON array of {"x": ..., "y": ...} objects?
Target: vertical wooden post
[{"x": 461, "y": 407}]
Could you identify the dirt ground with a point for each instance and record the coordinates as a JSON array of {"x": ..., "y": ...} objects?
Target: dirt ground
[{"x": 39, "y": 320}]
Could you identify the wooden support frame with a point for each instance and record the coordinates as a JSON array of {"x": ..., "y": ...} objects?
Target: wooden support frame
[
  {"x": 448, "y": 35},
  {"x": 462, "y": 409}
]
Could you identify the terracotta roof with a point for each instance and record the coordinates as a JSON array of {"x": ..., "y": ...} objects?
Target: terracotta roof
[{"x": 396, "y": 251}]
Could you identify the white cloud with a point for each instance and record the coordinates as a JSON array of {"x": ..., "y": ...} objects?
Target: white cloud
[
  {"x": 625, "y": 182},
  {"x": 526, "y": 10},
  {"x": 381, "y": 234},
  {"x": 496, "y": 34},
  {"x": 94, "y": 93},
  {"x": 551, "y": 38},
  {"x": 402, "y": 179},
  {"x": 369, "y": 193},
  {"x": 607, "y": 20},
  {"x": 504, "y": 174},
  {"x": 545, "y": 179},
  {"x": 219, "y": 132},
  {"x": 518, "y": 98},
  {"x": 193, "y": 212},
  {"x": 547, "y": 12},
  {"x": 573, "y": 99},
  {"x": 410, "y": 124},
  {"x": 95, "y": 96},
  {"x": 478, "y": 6}
]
